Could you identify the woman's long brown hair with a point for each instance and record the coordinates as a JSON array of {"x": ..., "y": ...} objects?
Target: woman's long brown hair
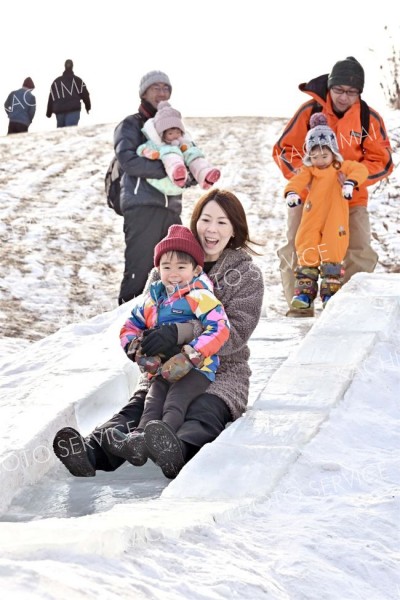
[{"x": 234, "y": 210}]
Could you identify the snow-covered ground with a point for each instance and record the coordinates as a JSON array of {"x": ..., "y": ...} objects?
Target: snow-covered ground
[{"x": 297, "y": 500}]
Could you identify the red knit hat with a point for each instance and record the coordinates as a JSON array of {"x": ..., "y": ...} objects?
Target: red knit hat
[{"x": 179, "y": 239}]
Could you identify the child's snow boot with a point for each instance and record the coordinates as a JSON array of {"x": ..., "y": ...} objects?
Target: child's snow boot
[
  {"x": 332, "y": 280},
  {"x": 164, "y": 448},
  {"x": 130, "y": 446},
  {"x": 211, "y": 177},
  {"x": 179, "y": 175},
  {"x": 174, "y": 164},
  {"x": 204, "y": 173},
  {"x": 306, "y": 287},
  {"x": 207, "y": 176}
]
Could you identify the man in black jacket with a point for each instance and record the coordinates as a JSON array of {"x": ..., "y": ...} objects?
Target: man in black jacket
[
  {"x": 147, "y": 212},
  {"x": 65, "y": 97}
]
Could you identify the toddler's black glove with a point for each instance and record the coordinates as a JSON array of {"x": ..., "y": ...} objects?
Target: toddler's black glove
[{"x": 161, "y": 340}]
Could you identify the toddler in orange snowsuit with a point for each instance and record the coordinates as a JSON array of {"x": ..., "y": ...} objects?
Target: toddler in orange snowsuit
[{"x": 323, "y": 236}]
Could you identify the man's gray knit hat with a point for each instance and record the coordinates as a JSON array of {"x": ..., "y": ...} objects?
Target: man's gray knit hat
[
  {"x": 347, "y": 72},
  {"x": 153, "y": 77},
  {"x": 320, "y": 136}
]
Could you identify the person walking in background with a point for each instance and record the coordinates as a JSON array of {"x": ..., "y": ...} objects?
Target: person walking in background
[
  {"x": 183, "y": 293},
  {"x": 168, "y": 141},
  {"x": 323, "y": 235},
  {"x": 361, "y": 136},
  {"x": 20, "y": 107},
  {"x": 66, "y": 94},
  {"x": 147, "y": 212}
]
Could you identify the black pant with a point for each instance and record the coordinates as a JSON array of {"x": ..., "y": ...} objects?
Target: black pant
[
  {"x": 14, "y": 127},
  {"x": 206, "y": 417},
  {"x": 126, "y": 420},
  {"x": 144, "y": 227},
  {"x": 169, "y": 401}
]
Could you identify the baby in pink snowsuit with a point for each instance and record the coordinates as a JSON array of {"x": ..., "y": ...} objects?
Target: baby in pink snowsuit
[{"x": 167, "y": 142}]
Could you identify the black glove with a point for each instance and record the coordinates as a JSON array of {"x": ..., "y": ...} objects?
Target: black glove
[
  {"x": 170, "y": 353},
  {"x": 161, "y": 340}
]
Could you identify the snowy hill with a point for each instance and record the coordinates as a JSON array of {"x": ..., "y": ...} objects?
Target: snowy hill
[{"x": 295, "y": 500}]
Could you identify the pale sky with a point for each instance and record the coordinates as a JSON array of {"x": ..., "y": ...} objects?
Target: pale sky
[{"x": 224, "y": 58}]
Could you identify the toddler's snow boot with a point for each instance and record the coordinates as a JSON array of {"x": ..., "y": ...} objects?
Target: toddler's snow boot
[
  {"x": 74, "y": 452},
  {"x": 164, "y": 448},
  {"x": 332, "y": 280},
  {"x": 210, "y": 178},
  {"x": 306, "y": 287},
  {"x": 130, "y": 446},
  {"x": 204, "y": 173},
  {"x": 179, "y": 175}
]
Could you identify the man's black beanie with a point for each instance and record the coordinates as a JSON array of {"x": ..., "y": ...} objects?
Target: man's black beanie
[{"x": 347, "y": 72}]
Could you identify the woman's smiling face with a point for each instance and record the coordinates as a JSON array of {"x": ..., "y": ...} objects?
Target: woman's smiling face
[{"x": 214, "y": 230}]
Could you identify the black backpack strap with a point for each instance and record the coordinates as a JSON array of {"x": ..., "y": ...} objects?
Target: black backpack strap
[{"x": 365, "y": 118}]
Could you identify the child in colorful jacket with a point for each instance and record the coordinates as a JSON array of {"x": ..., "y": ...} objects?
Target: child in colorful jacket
[
  {"x": 322, "y": 238},
  {"x": 168, "y": 142},
  {"x": 183, "y": 294}
]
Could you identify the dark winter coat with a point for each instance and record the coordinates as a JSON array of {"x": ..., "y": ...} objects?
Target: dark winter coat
[
  {"x": 135, "y": 190},
  {"x": 238, "y": 284},
  {"x": 66, "y": 93},
  {"x": 20, "y": 106}
]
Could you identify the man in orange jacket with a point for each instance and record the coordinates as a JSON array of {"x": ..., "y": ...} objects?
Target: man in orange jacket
[{"x": 339, "y": 96}]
